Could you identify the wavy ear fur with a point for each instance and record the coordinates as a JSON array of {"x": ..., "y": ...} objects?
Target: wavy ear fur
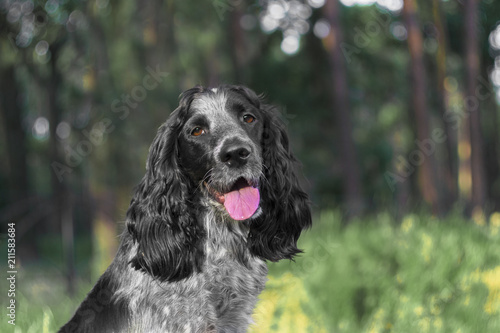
[
  {"x": 160, "y": 217},
  {"x": 274, "y": 234}
]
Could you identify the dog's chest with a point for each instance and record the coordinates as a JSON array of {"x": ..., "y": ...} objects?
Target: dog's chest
[
  {"x": 233, "y": 277},
  {"x": 219, "y": 298}
]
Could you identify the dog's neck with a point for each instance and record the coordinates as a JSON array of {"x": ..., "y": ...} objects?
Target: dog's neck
[{"x": 226, "y": 239}]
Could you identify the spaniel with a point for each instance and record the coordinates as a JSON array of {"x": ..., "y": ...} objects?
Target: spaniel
[{"x": 220, "y": 197}]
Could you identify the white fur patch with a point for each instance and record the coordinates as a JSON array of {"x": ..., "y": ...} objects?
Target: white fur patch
[{"x": 211, "y": 106}]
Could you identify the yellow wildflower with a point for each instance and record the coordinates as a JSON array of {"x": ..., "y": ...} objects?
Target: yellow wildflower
[
  {"x": 478, "y": 216},
  {"x": 434, "y": 307},
  {"x": 495, "y": 223},
  {"x": 467, "y": 300},
  {"x": 377, "y": 324},
  {"x": 287, "y": 295},
  {"x": 407, "y": 223},
  {"x": 438, "y": 323},
  {"x": 419, "y": 310},
  {"x": 426, "y": 246},
  {"x": 491, "y": 279},
  {"x": 424, "y": 324}
]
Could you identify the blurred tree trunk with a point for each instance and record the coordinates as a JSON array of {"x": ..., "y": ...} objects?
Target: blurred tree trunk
[
  {"x": 16, "y": 143},
  {"x": 448, "y": 172},
  {"x": 472, "y": 123},
  {"x": 341, "y": 110},
  {"x": 61, "y": 196},
  {"x": 23, "y": 207},
  {"x": 490, "y": 124},
  {"x": 427, "y": 179},
  {"x": 491, "y": 146},
  {"x": 97, "y": 96},
  {"x": 157, "y": 19}
]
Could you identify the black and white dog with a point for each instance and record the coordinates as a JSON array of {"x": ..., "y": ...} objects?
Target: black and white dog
[{"x": 219, "y": 198}]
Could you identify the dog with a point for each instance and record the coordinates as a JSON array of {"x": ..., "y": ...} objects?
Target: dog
[{"x": 220, "y": 197}]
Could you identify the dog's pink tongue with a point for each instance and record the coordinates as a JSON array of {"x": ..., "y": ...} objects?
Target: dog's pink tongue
[{"x": 243, "y": 203}]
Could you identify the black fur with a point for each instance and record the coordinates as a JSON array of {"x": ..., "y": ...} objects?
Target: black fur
[
  {"x": 161, "y": 217},
  {"x": 273, "y": 236}
]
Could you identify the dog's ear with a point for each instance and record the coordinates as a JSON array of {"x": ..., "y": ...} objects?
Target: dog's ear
[
  {"x": 160, "y": 217},
  {"x": 274, "y": 234}
]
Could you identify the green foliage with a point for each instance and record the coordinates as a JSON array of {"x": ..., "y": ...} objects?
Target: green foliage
[
  {"x": 42, "y": 303},
  {"x": 373, "y": 275}
]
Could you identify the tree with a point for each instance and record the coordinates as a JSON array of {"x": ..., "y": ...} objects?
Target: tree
[
  {"x": 472, "y": 124},
  {"x": 427, "y": 179},
  {"x": 449, "y": 169},
  {"x": 341, "y": 112}
]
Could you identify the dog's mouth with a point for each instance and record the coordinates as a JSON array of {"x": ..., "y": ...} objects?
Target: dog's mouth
[{"x": 242, "y": 199}]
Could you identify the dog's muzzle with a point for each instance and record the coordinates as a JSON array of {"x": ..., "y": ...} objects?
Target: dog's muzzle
[{"x": 241, "y": 201}]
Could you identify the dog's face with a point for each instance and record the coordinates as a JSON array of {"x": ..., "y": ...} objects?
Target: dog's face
[
  {"x": 220, "y": 149},
  {"x": 228, "y": 146}
]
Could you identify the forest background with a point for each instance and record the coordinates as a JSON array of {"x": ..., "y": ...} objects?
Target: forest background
[{"x": 392, "y": 108}]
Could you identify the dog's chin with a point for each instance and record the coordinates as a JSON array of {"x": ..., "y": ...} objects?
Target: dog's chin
[{"x": 239, "y": 200}]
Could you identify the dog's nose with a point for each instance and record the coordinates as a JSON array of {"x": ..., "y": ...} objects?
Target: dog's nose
[{"x": 235, "y": 154}]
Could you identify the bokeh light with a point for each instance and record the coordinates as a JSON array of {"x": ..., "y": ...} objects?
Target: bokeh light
[
  {"x": 248, "y": 22},
  {"x": 101, "y": 4},
  {"x": 290, "y": 44},
  {"x": 398, "y": 31},
  {"x": 392, "y": 5},
  {"x": 291, "y": 17},
  {"x": 494, "y": 38},
  {"x": 76, "y": 21},
  {"x": 350, "y": 3},
  {"x": 51, "y": 6},
  {"x": 495, "y": 77},
  {"x": 42, "y": 47},
  {"x": 316, "y": 3},
  {"x": 14, "y": 13},
  {"x": 268, "y": 24},
  {"x": 276, "y": 10},
  {"x": 63, "y": 130},
  {"x": 321, "y": 28},
  {"x": 40, "y": 129}
]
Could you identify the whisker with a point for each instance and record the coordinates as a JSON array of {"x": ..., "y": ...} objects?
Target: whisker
[
  {"x": 264, "y": 178},
  {"x": 263, "y": 175},
  {"x": 204, "y": 179}
]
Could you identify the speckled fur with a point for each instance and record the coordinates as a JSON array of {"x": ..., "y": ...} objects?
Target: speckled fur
[{"x": 220, "y": 298}]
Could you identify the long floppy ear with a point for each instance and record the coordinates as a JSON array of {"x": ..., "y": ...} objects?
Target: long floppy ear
[
  {"x": 160, "y": 217},
  {"x": 274, "y": 234}
]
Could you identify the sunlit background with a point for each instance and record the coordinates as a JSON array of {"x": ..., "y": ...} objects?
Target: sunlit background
[{"x": 392, "y": 108}]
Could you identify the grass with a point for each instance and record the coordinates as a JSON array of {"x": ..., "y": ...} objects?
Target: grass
[{"x": 375, "y": 275}]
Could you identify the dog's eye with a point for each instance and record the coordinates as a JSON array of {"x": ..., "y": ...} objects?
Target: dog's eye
[
  {"x": 248, "y": 118},
  {"x": 197, "y": 131}
]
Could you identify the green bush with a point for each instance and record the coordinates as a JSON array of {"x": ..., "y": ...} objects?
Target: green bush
[{"x": 375, "y": 275}]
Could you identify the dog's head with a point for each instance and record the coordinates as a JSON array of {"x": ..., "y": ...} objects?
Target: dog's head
[
  {"x": 226, "y": 149},
  {"x": 220, "y": 149}
]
